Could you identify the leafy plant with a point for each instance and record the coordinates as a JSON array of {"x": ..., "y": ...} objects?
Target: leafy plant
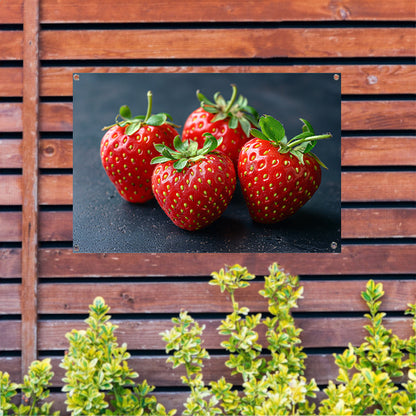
[
  {"x": 34, "y": 389},
  {"x": 98, "y": 379},
  {"x": 275, "y": 386},
  {"x": 367, "y": 373}
]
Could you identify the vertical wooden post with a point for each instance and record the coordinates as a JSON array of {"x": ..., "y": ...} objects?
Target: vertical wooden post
[{"x": 30, "y": 181}]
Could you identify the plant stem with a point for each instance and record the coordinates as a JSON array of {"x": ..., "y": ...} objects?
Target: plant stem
[
  {"x": 232, "y": 99},
  {"x": 309, "y": 139},
  {"x": 149, "y": 105}
]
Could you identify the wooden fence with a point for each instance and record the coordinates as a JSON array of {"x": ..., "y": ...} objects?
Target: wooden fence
[{"x": 45, "y": 288}]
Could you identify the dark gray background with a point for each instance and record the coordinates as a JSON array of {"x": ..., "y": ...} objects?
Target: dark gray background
[{"x": 104, "y": 222}]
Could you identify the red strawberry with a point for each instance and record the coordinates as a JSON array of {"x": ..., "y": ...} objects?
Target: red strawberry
[
  {"x": 278, "y": 176},
  {"x": 128, "y": 147},
  {"x": 230, "y": 120},
  {"x": 193, "y": 185}
]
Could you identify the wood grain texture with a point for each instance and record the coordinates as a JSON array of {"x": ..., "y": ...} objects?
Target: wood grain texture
[
  {"x": 30, "y": 182},
  {"x": 354, "y": 259},
  {"x": 200, "y": 297},
  {"x": 11, "y": 45},
  {"x": 378, "y": 186},
  {"x": 143, "y": 335},
  {"x": 229, "y": 43},
  {"x": 236, "y": 11},
  {"x": 377, "y": 115},
  {"x": 13, "y": 341},
  {"x": 11, "y": 81},
  {"x": 356, "y": 79},
  {"x": 378, "y": 151},
  {"x": 378, "y": 223},
  {"x": 10, "y": 299},
  {"x": 11, "y": 117},
  {"x": 393, "y": 259}
]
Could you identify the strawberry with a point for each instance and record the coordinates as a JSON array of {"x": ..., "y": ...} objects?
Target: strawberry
[
  {"x": 193, "y": 185},
  {"x": 128, "y": 147},
  {"x": 230, "y": 120},
  {"x": 278, "y": 176}
]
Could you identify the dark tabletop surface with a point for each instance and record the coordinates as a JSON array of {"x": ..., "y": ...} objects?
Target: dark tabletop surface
[{"x": 105, "y": 223}]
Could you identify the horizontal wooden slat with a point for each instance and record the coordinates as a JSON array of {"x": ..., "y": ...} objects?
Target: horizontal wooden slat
[
  {"x": 11, "y": 11},
  {"x": 11, "y": 342},
  {"x": 378, "y": 151},
  {"x": 234, "y": 10},
  {"x": 11, "y": 81},
  {"x": 10, "y": 299},
  {"x": 355, "y": 151},
  {"x": 361, "y": 259},
  {"x": 393, "y": 259},
  {"x": 355, "y": 186},
  {"x": 145, "y": 334},
  {"x": 378, "y": 115},
  {"x": 356, "y": 79},
  {"x": 53, "y": 190},
  {"x": 378, "y": 186},
  {"x": 201, "y": 297},
  {"x": 11, "y": 117},
  {"x": 378, "y": 223},
  {"x": 229, "y": 43},
  {"x": 11, "y": 45},
  {"x": 53, "y": 153},
  {"x": 356, "y": 223}
]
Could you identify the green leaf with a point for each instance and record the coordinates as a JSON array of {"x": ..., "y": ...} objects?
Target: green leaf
[
  {"x": 180, "y": 164},
  {"x": 133, "y": 128},
  {"x": 307, "y": 126},
  {"x": 245, "y": 125},
  {"x": 125, "y": 111},
  {"x": 157, "y": 119},
  {"x": 259, "y": 134},
  {"x": 233, "y": 123},
  {"x": 272, "y": 128},
  {"x": 203, "y": 100}
]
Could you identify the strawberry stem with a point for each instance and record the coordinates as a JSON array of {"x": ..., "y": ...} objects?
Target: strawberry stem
[
  {"x": 232, "y": 99},
  {"x": 149, "y": 105},
  {"x": 290, "y": 145}
]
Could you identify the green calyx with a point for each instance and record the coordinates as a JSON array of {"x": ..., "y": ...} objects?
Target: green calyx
[
  {"x": 134, "y": 123},
  {"x": 272, "y": 130},
  {"x": 237, "y": 111},
  {"x": 185, "y": 152}
]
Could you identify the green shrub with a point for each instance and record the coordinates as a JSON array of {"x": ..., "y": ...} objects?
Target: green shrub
[{"x": 98, "y": 380}]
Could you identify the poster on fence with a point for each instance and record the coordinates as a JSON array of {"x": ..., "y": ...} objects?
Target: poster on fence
[{"x": 207, "y": 162}]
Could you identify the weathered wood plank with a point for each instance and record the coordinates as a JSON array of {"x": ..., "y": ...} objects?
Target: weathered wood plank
[
  {"x": 378, "y": 223},
  {"x": 11, "y": 79},
  {"x": 234, "y": 10},
  {"x": 11, "y": 117},
  {"x": 145, "y": 334},
  {"x": 229, "y": 43},
  {"x": 353, "y": 259},
  {"x": 53, "y": 153},
  {"x": 378, "y": 186},
  {"x": 11, "y": 11},
  {"x": 10, "y": 262},
  {"x": 11, "y": 46},
  {"x": 356, "y": 79},
  {"x": 376, "y": 115},
  {"x": 10, "y": 299},
  {"x": 378, "y": 151},
  {"x": 13, "y": 339},
  {"x": 199, "y": 297}
]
